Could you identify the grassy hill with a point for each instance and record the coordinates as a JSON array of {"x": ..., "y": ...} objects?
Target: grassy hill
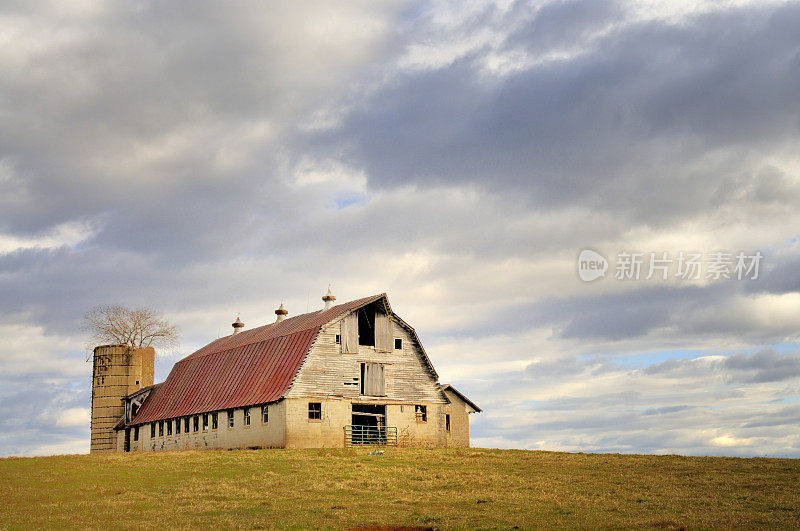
[{"x": 444, "y": 488}]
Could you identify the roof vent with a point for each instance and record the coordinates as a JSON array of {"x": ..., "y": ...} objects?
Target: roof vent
[
  {"x": 329, "y": 298},
  {"x": 281, "y": 313},
  {"x": 237, "y": 326}
]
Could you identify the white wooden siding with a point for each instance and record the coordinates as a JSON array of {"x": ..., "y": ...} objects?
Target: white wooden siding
[{"x": 327, "y": 372}]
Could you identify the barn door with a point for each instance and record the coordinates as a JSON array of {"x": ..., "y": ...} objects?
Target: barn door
[
  {"x": 373, "y": 381},
  {"x": 384, "y": 339},
  {"x": 349, "y": 334}
]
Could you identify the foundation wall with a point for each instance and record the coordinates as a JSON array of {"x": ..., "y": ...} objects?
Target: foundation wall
[
  {"x": 328, "y": 432},
  {"x": 260, "y": 434},
  {"x": 459, "y": 421}
]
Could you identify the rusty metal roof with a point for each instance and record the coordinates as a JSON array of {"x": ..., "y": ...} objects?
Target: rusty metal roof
[{"x": 255, "y": 366}]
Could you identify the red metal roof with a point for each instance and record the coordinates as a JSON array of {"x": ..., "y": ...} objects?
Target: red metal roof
[{"x": 252, "y": 367}]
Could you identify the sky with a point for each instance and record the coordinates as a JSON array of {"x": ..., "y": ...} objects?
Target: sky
[{"x": 213, "y": 159}]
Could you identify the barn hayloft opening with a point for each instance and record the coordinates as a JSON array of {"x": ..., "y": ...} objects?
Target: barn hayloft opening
[
  {"x": 370, "y": 319},
  {"x": 366, "y": 325}
]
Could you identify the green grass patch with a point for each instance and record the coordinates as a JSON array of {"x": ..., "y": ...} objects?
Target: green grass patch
[{"x": 440, "y": 488}]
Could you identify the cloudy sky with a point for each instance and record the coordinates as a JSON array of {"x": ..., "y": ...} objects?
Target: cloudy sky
[{"x": 209, "y": 159}]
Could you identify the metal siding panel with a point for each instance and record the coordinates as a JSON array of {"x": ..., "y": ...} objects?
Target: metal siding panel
[
  {"x": 277, "y": 371},
  {"x": 244, "y": 373},
  {"x": 262, "y": 389},
  {"x": 225, "y": 391},
  {"x": 254, "y": 373},
  {"x": 295, "y": 357}
]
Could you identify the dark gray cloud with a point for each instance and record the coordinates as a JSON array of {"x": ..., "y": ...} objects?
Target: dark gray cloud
[
  {"x": 764, "y": 366},
  {"x": 671, "y": 366},
  {"x": 782, "y": 277},
  {"x": 145, "y": 122},
  {"x": 681, "y": 311},
  {"x": 571, "y": 366},
  {"x": 563, "y": 24},
  {"x": 666, "y": 410},
  {"x": 627, "y": 124}
]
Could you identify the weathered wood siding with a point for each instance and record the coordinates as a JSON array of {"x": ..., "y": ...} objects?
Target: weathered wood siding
[{"x": 327, "y": 372}]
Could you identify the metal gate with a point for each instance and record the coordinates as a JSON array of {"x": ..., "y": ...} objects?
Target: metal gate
[{"x": 370, "y": 435}]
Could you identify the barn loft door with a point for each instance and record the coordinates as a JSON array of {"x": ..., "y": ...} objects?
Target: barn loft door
[
  {"x": 349, "y": 334},
  {"x": 383, "y": 333},
  {"x": 373, "y": 379}
]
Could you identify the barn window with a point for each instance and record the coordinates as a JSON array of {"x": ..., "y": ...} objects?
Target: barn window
[
  {"x": 247, "y": 416},
  {"x": 169, "y": 427},
  {"x": 196, "y": 423},
  {"x": 214, "y": 421},
  {"x": 136, "y": 433},
  {"x": 315, "y": 411},
  {"x": 447, "y": 422},
  {"x": 265, "y": 413},
  {"x": 160, "y": 428},
  {"x": 177, "y": 426},
  {"x": 398, "y": 343},
  {"x": 421, "y": 413},
  {"x": 152, "y": 429},
  {"x": 338, "y": 339},
  {"x": 230, "y": 418},
  {"x": 372, "y": 379},
  {"x": 205, "y": 421},
  {"x": 186, "y": 425}
]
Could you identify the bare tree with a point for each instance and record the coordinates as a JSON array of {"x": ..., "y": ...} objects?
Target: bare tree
[{"x": 139, "y": 328}]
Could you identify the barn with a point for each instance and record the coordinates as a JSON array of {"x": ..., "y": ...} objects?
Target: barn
[{"x": 346, "y": 375}]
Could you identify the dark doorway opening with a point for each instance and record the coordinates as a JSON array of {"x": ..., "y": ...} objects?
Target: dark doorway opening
[
  {"x": 366, "y": 326},
  {"x": 369, "y": 424},
  {"x": 127, "y": 439}
]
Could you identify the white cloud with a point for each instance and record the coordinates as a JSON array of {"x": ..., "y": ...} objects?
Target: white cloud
[
  {"x": 66, "y": 418},
  {"x": 76, "y": 416},
  {"x": 26, "y": 350},
  {"x": 725, "y": 440},
  {"x": 69, "y": 234},
  {"x": 78, "y": 445}
]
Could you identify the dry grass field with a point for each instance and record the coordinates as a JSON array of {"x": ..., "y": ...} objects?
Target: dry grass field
[{"x": 445, "y": 488}]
